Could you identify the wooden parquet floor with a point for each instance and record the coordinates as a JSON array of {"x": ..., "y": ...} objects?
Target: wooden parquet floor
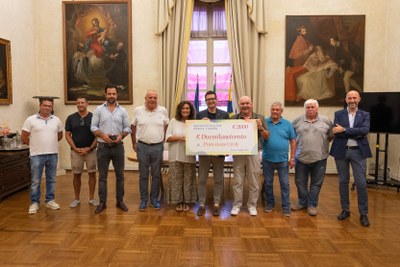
[{"x": 78, "y": 237}]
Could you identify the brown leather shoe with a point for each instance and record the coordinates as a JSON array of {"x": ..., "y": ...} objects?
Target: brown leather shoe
[
  {"x": 201, "y": 210},
  {"x": 216, "y": 210},
  {"x": 102, "y": 206},
  {"x": 122, "y": 206}
]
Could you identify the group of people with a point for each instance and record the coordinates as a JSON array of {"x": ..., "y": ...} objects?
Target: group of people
[
  {"x": 309, "y": 136},
  {"x": 97, "y": 139}
]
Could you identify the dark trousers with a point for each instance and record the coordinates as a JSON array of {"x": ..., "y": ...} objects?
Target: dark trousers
[
  {"x": 358, "y": 164},
  {"x": 150, "y": 159},
  {"x": 116, "y": 154}
]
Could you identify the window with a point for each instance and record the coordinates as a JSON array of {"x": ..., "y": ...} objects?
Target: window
[{"x": 208, "y": 63}]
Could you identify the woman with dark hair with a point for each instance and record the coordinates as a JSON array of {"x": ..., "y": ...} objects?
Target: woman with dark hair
[{"x": 182, "y": 177}]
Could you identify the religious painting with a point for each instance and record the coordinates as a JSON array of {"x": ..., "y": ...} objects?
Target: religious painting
[
  {"x": 97, "y": 49},
  {"x": 324, "y": 58},
  {"x": 5, "y": 72}
]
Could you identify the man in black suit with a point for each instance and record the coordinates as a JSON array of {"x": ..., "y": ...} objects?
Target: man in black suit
[{"x": 351, "y": 147}]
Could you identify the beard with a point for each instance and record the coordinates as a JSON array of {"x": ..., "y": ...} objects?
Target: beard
[{"x": 111, "y": 100}]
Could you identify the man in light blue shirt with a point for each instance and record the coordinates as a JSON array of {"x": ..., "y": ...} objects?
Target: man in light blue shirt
[
  {"x": 110, "y": 124},
  {"x": 275, "y": 157}
]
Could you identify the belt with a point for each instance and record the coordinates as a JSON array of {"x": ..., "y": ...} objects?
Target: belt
[
  {"x": 352, "y": 147},
  {"x": 153, "y": 144},
  {"x": 110, "y": 144}
]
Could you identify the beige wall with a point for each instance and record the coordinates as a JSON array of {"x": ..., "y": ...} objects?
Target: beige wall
[{"x": 34, "y": 28}]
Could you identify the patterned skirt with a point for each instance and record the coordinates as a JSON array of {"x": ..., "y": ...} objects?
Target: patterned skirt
[{"x": 182, "y": 186}]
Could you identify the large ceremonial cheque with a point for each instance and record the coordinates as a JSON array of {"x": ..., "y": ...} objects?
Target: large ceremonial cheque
[{"x": 221, "y": 137}]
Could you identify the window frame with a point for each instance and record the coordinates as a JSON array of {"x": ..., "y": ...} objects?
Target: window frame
[{"x": 209, "y": 65}]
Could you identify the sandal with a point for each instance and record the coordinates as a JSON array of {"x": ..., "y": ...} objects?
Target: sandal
[
  {"x": 179, "y": 207},
  {"x": 186, "y": 207}
]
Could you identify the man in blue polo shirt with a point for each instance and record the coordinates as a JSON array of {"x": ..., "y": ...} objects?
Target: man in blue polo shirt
[{"x": 275, "y": 157}]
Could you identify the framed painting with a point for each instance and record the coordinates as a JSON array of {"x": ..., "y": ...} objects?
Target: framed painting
[
  {"x": 324, "y": 58},
  {"x": 97, "y": 49},
  {"x": 5, "y": 72}
]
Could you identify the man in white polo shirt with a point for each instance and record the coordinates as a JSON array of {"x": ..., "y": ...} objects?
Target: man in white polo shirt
[
  {"x": 149, "y": 124},
  {"x": 41, "y": 132}
]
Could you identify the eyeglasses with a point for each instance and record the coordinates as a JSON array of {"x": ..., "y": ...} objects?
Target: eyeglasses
[
  {"x": 210, "y": 99},
  {"x": 82, "y": 122}
]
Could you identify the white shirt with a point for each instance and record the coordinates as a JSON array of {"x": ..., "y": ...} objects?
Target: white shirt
[
  {"x": 177, "y": 150},
  {"x": 351, "y": 142},
  {"x": 150, "y": 124},
  {"x": 43, "y": 134}
]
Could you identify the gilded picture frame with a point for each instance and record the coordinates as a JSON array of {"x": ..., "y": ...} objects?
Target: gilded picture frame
[
  {"x": 97, "y": 49},
  {"x": 5, "y": 73},
  {"x": 324, "y": 58}
]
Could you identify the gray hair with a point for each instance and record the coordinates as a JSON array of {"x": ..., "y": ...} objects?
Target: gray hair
[
  {"x": 311, "y": 101},
  {"x": 279, "y": 104}
]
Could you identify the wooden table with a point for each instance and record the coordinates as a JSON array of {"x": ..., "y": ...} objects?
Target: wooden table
[{"x": 15, "y": 171}]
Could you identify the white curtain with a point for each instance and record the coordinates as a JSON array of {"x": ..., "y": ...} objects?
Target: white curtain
[
  {"x": 219, "y": 20},
  {"x": 199, "y": 26},
  {"x": 174, "y": 18},
  {"x": 246, "y": 29}
]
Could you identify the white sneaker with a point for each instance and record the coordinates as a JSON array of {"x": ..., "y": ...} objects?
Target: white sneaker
[
  {"x": 52, "y": 205},
  {"x": 235, "y": 211},
  {"x": 74, "y": 203},
  {"x": 93, "y": 202},
  {"x": 253, "y": 211},
  {"x": 33, "y": 208}
]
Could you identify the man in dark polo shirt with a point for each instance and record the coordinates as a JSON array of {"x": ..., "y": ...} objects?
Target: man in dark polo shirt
[{"x": 83, "y": 144}]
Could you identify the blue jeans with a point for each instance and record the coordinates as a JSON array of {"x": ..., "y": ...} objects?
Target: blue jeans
[
  {"x": 116, "y": 154},
  {"x": 49, "y": 163},
  {"x": 149, "y": 157},
  {"x": 358, "y": 164},
  {"x": 283, "y": 173},
  {"x": 316, "y": 171}
]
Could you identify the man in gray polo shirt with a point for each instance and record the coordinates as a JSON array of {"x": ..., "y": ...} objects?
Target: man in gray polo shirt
[{"x": 313, "y": 134}]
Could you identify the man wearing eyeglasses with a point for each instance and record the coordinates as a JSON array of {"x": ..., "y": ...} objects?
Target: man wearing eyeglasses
[
  {"x": 217, "y": 162},
  {"x": 83, "y": 145}
]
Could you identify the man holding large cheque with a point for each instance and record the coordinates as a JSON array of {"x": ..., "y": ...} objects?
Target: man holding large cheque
[
  {"x": 248, "y": 163},
  {"x": 217, "y": 162},
  {"x": 212, "y": 138}
]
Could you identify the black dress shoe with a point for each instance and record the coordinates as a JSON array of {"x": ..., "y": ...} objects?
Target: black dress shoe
[
  {"x": 102, "y": 206},
  {"x": 364, "y": 220},
  {"x": 201, "y": 211},
  {"x": 216, "y": 210},
  {"x": 122, "y": 206},
  {"x": 343, "y": 215}
]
